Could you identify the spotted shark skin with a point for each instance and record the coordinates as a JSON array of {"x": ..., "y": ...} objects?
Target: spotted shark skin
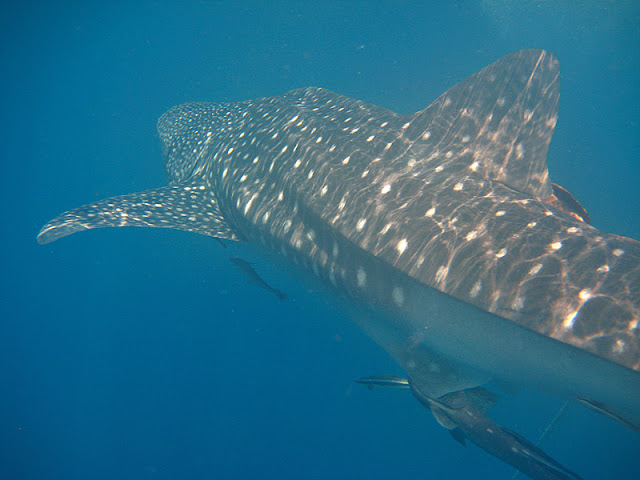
[{"x": 437, "y": 226}]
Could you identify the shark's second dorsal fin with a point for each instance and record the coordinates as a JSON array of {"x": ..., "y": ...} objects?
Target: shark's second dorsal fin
[
  {"x": 498, "y": 123},
  {"x": 189, "y": 207}
]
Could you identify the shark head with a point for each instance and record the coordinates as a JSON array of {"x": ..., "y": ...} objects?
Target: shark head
[{"x": 185, "y": 144}]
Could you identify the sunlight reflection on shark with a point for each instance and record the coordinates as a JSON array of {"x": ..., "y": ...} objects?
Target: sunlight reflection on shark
[{"x": 439, "y": 232}]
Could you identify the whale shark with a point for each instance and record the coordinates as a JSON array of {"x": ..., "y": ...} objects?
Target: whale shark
[{"x": 439, "y": 233}]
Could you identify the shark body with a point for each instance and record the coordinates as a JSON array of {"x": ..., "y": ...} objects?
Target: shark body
[{"x": 439, "y": 231}]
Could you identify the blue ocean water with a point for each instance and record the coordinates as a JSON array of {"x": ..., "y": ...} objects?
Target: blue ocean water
[{"x": 133, "y": 353}]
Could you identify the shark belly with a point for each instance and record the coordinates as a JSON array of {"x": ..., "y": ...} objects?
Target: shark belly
[{"x": 443, "y": 343}]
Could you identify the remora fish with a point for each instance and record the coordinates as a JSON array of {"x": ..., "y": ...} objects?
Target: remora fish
[
  {"x": 256, "y": 279},
  {"x": 438, "y": 231},
  {"x": 463, "y": 413}
]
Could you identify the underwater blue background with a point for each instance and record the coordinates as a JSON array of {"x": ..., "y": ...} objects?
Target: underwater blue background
[{"x": 143, "y": 354}]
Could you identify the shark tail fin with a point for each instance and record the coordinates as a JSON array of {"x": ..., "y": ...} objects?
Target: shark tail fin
[{"x": 189, "y": 207}]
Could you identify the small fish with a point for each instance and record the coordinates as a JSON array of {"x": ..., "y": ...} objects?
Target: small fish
[
  {"x": 256, "y": 279},
  {"x": 464, "y": 414},
  {"x": 383, "y": 381},
  {"x": 602, "y": 409}
]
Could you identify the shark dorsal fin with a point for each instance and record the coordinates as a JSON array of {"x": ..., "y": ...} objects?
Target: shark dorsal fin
[{"x": 499, "y": 121}]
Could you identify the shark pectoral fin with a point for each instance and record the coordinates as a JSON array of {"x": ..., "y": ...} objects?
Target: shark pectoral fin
[
  {"x": 458, "y": 436},
  {"x": 483, "y": 398},
  {"x": 188, "y": 207}
]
